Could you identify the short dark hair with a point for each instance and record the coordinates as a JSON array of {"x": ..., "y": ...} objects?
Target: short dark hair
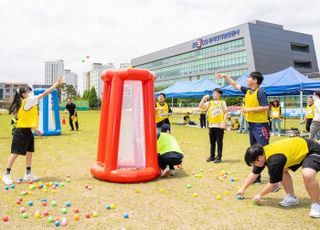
[
  {"x": 258, "y": 76},
  {"x": 253, "y": 153},
  {"x": 317, "y": 93},
  {"x": 218, "y": 90},
  {"x": 162, "y": 95},
  {"x": 165, "y": 127}
]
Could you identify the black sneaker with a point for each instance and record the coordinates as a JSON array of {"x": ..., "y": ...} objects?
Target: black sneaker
[
  {"x": 211, "y": 159},
  {"x": 217, "y": 160}
]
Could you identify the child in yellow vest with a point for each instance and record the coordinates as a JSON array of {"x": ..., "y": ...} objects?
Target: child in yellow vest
[
  {"x": 236, "y": 124},
  {"x": 280, "y": 157},
  {"x": 23, "y": 141},
  {"x": 217, "y": 115},
  {"x": 163, "y": 111},
  {"x": 276, "y": 116},
  {"x": 309, "y": 113}
]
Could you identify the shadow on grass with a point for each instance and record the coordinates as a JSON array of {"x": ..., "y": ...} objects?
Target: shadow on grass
[
  {"x": 48, "y": 179},
  {"x": 274, "y": 202},
  {"x": 230, "y": 161}
]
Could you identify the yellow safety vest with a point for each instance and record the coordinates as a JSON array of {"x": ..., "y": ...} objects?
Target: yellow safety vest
[
  {"x": 295, "y": 149},
  {"x": 27, "y": 119},
  {"x": 310, "y": 111},
  {"x": 215, "y": 112},
  {"x": 275, "y": 112},
  {"x": 236, "y": 125},
  {"x": 162, "y": 114},
  {"x": 251, "y": 101},
  {"x": 167, "y": 143}
]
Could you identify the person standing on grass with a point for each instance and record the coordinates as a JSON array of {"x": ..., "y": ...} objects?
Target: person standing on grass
[
  {"x": 163, "y": 111},
  {"x": 217, "y": 115},
  {"x": 73, "y": 114},
  {"x": 255, "y": 108},
  {"x": 203, "y": 122},
  {"x": 309, "y": 113},
  {"x": 315, "y": 126},
  {"x": 280, "y": 157},
  {"x": 243, "y": 122},
  {"x": 25, "y": 107},
  {"x": 276, "y": 116}
]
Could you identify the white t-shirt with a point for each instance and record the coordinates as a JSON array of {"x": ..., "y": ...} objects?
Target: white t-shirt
[{"x": 30, "y": 102}]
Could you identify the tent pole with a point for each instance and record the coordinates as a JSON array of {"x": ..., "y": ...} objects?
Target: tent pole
[
  {"x": 180, "y": 121},
  {"x": 301, "y": 113},
  {"x": 284, "y": 117},
  {"x": 172, "y": 102}
]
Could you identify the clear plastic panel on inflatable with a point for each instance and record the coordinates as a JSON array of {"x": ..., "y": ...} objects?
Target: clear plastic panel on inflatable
[{"x": 132, "y": 150}]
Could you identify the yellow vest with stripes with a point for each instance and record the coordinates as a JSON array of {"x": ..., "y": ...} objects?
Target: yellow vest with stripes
[
  {"x": 27, "y": 119},
  {"x": 167, "y": 143},
  {"x": 295, "y": 149},
  {"x": 310, "y": 111},
  {"x": 215, "y": 112},
  {"x": 251, "y": 101},
  {"x": 275, "y": 112},
  {"x": 162, "y": 114}
]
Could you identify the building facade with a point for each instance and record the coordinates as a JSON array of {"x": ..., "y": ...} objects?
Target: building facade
[
  {"x": 86, "y": 81},
  {"x": 256, "y": 45},
  {"x": 95, "y": 76},
  {"x": 53, "y": 70},
  {"x": 8, "y": 90},
  {"x": 70, "y": 78},
  {"x": 125, "y": 65}
]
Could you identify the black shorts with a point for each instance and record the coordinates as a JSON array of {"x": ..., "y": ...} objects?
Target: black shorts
[{"x": 22, "y": 141}]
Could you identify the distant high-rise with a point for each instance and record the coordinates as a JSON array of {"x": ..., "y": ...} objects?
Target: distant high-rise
[
  {"x": 125, "y": 65},
  {"x": 53, "y": 69},
  {"x": 86, "y": 81},
  {"x": 70, "y": 78},
  {"x": 95, "y": 76}
]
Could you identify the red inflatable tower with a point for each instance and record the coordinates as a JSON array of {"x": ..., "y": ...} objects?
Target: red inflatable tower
[{"x": 127, "y": 138}]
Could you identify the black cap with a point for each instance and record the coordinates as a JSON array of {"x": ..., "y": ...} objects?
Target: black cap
[{"x": 165, "y": 128}]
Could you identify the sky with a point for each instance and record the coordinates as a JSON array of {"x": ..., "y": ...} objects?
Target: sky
[{"x": 35, "y": 31}]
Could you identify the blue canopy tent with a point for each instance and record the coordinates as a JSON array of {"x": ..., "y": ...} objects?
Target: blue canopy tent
[
  {"x": 190, "y": 89},
  {"x": 285, "y": 82}
]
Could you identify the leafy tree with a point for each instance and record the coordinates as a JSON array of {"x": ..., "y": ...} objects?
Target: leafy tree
[{"x": 93, "y": 99}]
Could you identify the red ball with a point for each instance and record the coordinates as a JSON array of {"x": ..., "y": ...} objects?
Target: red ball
[
  {"x": 87, "y": 215},
  {"x": 45, "y": 213},
  {"x": 20, "y": 199},
  {"x": 5, "y": 218},
  {"x": 86, "y": 186},
  {"x": 18, "y": 202},
  {"x": 76, "y": 210},
  {"x": 44, "y": 203}
]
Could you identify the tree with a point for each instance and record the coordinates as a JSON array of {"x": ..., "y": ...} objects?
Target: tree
[
  {"x": 93, "y": 99},
  {"x": 68, "y": 90},
  {"x": 86, "y": 94}
]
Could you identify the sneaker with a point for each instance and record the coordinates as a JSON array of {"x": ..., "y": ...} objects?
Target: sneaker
[
  {"x": 279, "y": 135},
  {"x": 277, "y": 188},
  {"x": 30, "y": 177},
  {"x": 6, "y": 179},
  {"x": 166, "y": 172},
  {"x": 171, "y": 172},
  {"x": 315, "y": 210},
  {"x": 217, "y": 160},
  {"x": 290, "y": 200},
  {"x": 211, "y": 159}
]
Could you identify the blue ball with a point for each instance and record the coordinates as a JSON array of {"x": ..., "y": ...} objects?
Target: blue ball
[
  {"x": 57, "y": 223},
  {"x": 108, "y": 206},
  {"x": 20, "y": 179},
  {"x": 56, "y": 184},
  {"x": 6, "y": 187},
  {"x": 30, "y": 203},
  {"x": 43, "y": 200},
  {"x": 232, "y": 179},
  {"x": 68, "y": 204},
  {"x": 126, "y": 215},
  {"x": 13, "y": 186},
  {"x": 239, "y": 197}
]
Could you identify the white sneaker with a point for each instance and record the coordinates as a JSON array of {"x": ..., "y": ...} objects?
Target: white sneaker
[
  {"x": 171, "y": 172},
  {"x": 166, "y": 172},
  {"x": 6, "y": 179},
  {"x": 315, "y": 210},
  {"x": 289, "y": 200},
  {"x": 30, "y": 177}
]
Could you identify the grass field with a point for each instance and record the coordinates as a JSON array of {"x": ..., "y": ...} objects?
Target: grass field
[{"x": 74, "y": 152}]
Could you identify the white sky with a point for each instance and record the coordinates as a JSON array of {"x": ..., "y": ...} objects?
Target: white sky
[{"x": 35, "y": 31}]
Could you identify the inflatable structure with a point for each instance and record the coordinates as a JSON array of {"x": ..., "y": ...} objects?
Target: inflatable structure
[
  {"x": 49, "y": 116},
  {"x": 127, "y": 138}
]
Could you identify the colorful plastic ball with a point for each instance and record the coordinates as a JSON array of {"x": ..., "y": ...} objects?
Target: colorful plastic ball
[
  {"x": 12, "y": 186},
  {"x": 44, "y": 204},
  {"x": 23, "y": 194},
  {"x": 108, "y": 206},
  {"x": 227, "y": 192},
  {"x": 68, "y": 180},
  {"x": 137, "y": 190},
  {"x": 25, "y": 215},
  {"x": 195, "y": 195},
  {"x": 76, "y": 210},
  {"x": 126, "y": 215},
  {"x": 53, "y": 190},
  {"x": 239, "y": 197},
  {"x": 18, "y": 202},
  {"x": 64, "y": 222},
  {"x": 20, "y": 179},
  {"x": 22, "y": 209},
  {"x": 64, "y": 211},
  {"x": 87, "y": 215},
  {"x": 68, "y": 204},
  {"x": 54, "y": 203},
  {"x": 5, "y": 218},
  {"x": 6, "y": 187},
  {"x": 218, "y": 197},
  {"x": 57, "y": 223},
  {"x": 45, "y": 190},
  {"x": 89, "y": 187},
  {"x": 232, "y": 179},
  {"x": 112, "y": 206},
  {"x": 76, "y": 217},
  {"x": 56, "y": 184},
  {"x": 161, "y": 190},
  {"x": 55, "y": 218},
  {"x": 86, "y": 186},
  {"x": 45, "y": 213},
  {"x": 43, "y": 200},
  {"x": 30, "y": 203},
  {"x": 61, "y": 185},
  {"x": 50, "y": 219},
  {"x": 37, "y": 214},
  {"x": 94, "y": 214},
  {"x": 189, "y": 186}
]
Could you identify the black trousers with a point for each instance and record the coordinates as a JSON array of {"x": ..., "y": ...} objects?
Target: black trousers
[
  {"x": 71, "y": 122},
  {"x": 216, "y": 137},
  {"x": 169, "y": 158},
  {"x": 308, "y": 124},
  {"x": 203, "y": 122}
]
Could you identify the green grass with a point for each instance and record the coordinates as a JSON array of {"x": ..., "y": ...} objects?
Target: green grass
[{"x": 74, "y": 152}]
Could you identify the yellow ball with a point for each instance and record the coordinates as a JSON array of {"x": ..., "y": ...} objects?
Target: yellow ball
[
  {"x": 30, "y": 193},
  {"x": 137, "y": 190},
  {"x": 161, "y": 190},
  {"x": 53, "y": 190},
  {"x": 195, "y": 195},
  {"x": 218, "y": 197},
  {"x": 227, "y": 192},
  {"x": 45, "y": 190},
  {"x": 112, "y": 206}
]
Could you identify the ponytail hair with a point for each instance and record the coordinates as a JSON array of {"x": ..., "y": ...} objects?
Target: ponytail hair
[{"x": 16, "y": 103}]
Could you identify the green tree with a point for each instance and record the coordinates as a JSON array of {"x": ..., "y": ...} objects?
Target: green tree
[
  {"x": 86, "y": 94},
  {"x": 93, "y": 99}
]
